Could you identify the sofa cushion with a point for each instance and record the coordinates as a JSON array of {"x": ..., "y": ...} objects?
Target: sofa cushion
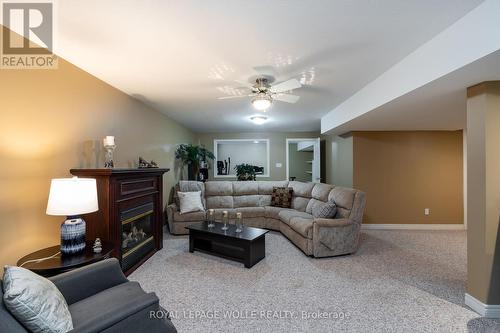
[
  {"x": 300, "y": 222},
  {"x": 245, "y": 188},
  {"x": 303, "y": 226},
  {"x": 265, "y": 200},
  {"x": 102, "y": 306},
  {"x": 311, "y": 204},
  {"x": 248, "y": 212},
  {"x": 301, "y": 189},
  {"x": 300, "y": 203},
  {"x": 343, "y": 198},
  {"x": 325, "y": 210},
  {"x": 220, "y": 188},
  {"x": 188, "y": 217},
  {"x": 286, "y": 215},
  {"x": 35, "y": 301},
  {"x": 273, "y": 212},
  {"x": 321, "y": 191},
  {"x": 282, "y": 197},
  {"x": 246, "y": 201},
  {"x": 266, "y": 187},
  {"x": 190, "y": 202},
  {"x": 222, "y": 201}
]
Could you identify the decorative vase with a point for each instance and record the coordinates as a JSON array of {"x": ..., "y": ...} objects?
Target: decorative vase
[{"x": 72, "y": 235}]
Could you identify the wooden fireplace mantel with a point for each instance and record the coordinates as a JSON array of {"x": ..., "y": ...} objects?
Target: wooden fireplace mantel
[{"x": 120, "y": 191}]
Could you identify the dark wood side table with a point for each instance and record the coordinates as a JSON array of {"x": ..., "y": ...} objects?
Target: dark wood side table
[{"x": 60, "y": 264}]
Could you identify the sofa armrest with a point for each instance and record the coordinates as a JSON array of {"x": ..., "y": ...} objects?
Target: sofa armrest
[
  {"x": 86, "y": 281},
  {"x": 333, "y": 237},
  {"x": 119, "y": 312},
  {"x": 172, "y": 207},
  {"x": 331, "y": 223}
]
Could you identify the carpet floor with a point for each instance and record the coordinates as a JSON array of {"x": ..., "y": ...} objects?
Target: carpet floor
[{"x": 398, "y": 281}]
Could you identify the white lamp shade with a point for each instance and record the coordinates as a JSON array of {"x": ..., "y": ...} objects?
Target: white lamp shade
[{"x": 72, "y": 196}]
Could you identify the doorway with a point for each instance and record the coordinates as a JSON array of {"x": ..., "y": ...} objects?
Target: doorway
[{"x": 303, "y": 159}]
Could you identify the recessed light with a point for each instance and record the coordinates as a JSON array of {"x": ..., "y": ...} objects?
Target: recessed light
[
  {"x": 255, "y": 141},
  {"x": 258, "y": 120}
]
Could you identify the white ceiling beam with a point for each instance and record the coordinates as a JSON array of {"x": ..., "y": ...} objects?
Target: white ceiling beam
[{"x": 470, "y": 38}]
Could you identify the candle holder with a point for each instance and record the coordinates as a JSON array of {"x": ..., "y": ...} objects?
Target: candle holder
[
  {"x": 239, "y": 223},
  {"x": 225, "y": 219},
  {"x": 211, "y": 218},
  {"x": 108, "y": 163}
]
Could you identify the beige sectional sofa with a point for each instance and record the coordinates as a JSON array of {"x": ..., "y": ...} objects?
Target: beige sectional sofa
[{"x": 318, "y": 237}]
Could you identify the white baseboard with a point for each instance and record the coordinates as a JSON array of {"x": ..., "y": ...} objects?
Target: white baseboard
[
  {"x": 484, "y": 310},
  {"x": 413, "y": 226}
]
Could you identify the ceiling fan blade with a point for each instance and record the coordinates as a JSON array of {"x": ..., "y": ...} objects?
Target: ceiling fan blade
[
  {"x": 235, "y": 96},
  {"x": 286, "y": 98},
  {"x": 286, "y": 86}
]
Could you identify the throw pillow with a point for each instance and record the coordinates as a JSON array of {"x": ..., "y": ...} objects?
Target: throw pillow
[
  {"x": 35, "y": 301},
  {"x": 190, "y": 202},
  {"x": 282, "y": 197},
  {"x": 324, "y": 210}
]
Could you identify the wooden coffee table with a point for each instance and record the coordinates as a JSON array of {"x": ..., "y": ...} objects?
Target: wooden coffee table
[{"x": 248, "y": 246}]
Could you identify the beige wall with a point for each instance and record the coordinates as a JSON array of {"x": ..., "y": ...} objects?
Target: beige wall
[
  {"x": 339, "y": 160},
  {"x": 53, "y": 120},
  {"x": 483, "y": 192},
  {"x": 403, "y": 173},
  {"x": 277, "y": 146}
]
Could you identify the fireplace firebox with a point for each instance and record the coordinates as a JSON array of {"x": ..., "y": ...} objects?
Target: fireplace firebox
[
  {"x": 137, "y": 233},
  {"x": 130, "y": 212}
]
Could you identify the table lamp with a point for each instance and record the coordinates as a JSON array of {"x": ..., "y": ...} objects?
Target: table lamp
[{"x": 72, "y": 197}]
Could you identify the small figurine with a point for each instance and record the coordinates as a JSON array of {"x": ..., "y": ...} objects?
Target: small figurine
[
  {"x": 97, "y": 245},
  {"x": 143, "y": 164}
]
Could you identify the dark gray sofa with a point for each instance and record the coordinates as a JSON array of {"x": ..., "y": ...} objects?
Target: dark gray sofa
[{"x": 102, "y": 299}]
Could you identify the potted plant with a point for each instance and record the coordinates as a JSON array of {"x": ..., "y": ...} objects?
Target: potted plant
[
  {"x": 192, "y": 155},
  {"x": 245, "y": 171}
]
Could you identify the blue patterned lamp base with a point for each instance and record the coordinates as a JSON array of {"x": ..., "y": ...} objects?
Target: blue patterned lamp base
[{"x": 73, "y": 235}]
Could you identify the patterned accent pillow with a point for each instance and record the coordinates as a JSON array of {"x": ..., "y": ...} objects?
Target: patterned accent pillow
[
  {"x": 282, "y": 197},
  {"x": 324, "y": 210}
]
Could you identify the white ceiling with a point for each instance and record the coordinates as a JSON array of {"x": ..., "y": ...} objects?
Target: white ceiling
[
  {"x": 178, "y": 56},
  {"x": 439, "y": 105}
]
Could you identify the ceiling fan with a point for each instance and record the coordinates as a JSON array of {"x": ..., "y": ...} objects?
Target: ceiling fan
[{"x": 264, "y": 93}]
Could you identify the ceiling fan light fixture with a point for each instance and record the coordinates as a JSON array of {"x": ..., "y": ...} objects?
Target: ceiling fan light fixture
[
  {"x": 258, "y": 120},
  {"x": 262, "y": 102}
]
